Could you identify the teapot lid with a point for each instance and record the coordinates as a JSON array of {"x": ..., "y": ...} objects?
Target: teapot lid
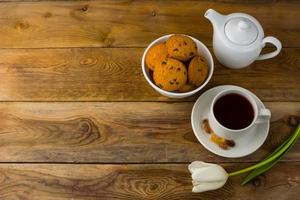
[{"x": 241, "y": 31}]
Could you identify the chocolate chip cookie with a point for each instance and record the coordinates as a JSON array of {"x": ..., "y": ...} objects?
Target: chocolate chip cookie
[
  {"x": 198, "y": 70},
  {"x": 181, "y": 47},
  {"x": 156, "y": 54},
  {"x": 170, "y": 74}
]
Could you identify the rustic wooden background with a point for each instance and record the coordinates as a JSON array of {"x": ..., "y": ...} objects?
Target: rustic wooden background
[{"x": 78, "y": 120}]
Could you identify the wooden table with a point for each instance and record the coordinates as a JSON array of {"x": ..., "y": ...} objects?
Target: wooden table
[{"x": 79, "y": 121}]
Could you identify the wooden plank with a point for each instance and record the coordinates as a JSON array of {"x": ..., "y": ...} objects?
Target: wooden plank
[
  {"x": 119, "y": 133},
  {"x": 169, "y": 181},
  {"x": 96, "y": 74},
  {"x": 131, "y": 23}
]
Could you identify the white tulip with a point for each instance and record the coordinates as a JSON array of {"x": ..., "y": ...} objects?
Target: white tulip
[{"x": 207, "y": 176}]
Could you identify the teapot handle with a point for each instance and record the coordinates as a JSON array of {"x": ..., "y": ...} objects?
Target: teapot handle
[{"x": 273, "y": 41}]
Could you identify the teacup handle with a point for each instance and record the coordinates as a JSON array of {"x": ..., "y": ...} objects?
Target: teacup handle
[
  {"x": 273, "y": 41},
  {"x": 263, "y": 115}
]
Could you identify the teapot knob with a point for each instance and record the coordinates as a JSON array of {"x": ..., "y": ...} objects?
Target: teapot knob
[{"x": 243, "y": 25}]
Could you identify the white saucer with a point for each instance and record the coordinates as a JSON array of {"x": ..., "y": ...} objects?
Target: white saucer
[{"x": 245, "y": 144}]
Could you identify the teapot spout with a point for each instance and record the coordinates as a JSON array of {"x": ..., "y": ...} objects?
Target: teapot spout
[{"x": 215, "y": 18}]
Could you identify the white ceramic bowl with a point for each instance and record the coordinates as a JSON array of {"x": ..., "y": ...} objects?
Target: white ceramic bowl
[{"x": 202, "y": 49}]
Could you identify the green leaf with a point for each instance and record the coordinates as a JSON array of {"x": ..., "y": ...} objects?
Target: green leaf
[
  {"x": 256, "y": 172},
  {"x": 264, "y": 168},
  {"x": 274, "y": 156}
]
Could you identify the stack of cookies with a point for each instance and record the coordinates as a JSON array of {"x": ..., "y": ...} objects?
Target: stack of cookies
[{"x": 176, "y": 65}]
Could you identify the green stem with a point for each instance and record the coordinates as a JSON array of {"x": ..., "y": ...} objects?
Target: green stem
[{"x": 266, "y": 161}]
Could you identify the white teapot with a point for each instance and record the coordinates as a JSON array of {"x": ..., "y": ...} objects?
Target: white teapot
[{"x": 238, "y": 39}]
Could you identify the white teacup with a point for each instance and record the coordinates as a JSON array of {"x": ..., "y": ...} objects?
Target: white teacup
[{"x": 260, "y": 116}]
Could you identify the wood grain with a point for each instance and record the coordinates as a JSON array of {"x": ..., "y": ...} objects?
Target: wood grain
[
  {"x": 131, "y": 23},
  {"x": 169, "y": 181},
  {"x": 96, "y": 74},
  {"x": 123, "y": 140},
  {"x": 119, "y": 133}
]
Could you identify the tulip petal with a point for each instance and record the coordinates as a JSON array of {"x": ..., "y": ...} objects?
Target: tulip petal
[
  {"x": 207, "y": 176},
  {"x": 207, "y": 187},
  {"x": 198, "y": 164},
  {"x": 210, "y": 174}
]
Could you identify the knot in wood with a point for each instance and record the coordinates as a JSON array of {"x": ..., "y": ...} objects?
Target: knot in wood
[
  {"x": 294, "y": 120},
  {"x": 85, "y": 8},
  {"x": 22, "y": 25},
  {"x": 259, "y": 181},
  {"x": 153, "y": 13},
  {"x": 85, "y": 125}
]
